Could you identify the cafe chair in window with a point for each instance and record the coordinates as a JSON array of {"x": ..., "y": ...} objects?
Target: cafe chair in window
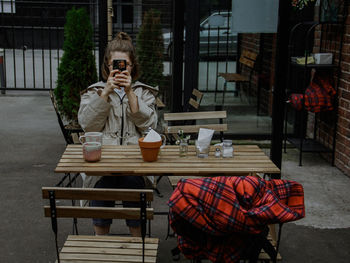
[
  {"x": 246, "y": 68},
  {"x": 193, "y": 105},
  {"x": 85, "y": 248},
  {"x": 195, "y": 100}
]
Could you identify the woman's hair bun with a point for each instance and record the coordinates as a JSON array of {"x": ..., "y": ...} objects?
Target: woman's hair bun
[{"x": 123, "y": 36}]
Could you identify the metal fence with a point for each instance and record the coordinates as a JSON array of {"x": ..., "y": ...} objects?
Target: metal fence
[
  {"x": 31, "y": 39},
  {"x": 32, "y": 34}
]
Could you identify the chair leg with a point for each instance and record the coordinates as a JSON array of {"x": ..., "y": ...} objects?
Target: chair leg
[
  {"x": 143, "y": 222},
  {"x": 238, "y": 87},
  {"x": 168, "y": 231},
  {"x": 75, "y": 226},
  {"x": 278, "y": 238},
  {"x": 175, "y": 253},
  {"x": 285, "y": 128},
  {"x": 54, "y": 221},
  {"x": 156, "y": 187},
  {"x": 223, "y": 93}
]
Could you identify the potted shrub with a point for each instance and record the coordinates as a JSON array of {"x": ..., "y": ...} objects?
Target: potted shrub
[{"x": 77, "y": 69}]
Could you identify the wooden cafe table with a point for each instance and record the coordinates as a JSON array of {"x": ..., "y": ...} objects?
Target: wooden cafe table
[
  {"x": 128, "y": 160},
  {"x": 119, "y": 160}
]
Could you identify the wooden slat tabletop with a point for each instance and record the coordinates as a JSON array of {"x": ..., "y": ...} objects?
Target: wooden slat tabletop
[{"x": 128, "y": 160}]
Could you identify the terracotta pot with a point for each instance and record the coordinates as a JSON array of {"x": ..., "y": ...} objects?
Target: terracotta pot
[{"x": 149, "y": 150}]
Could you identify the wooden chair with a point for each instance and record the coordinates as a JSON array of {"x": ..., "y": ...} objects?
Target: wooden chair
[
  {"x": 188, "y": 117},
  {"x": 183, "y": 117},
  {"x": 159, "y": 103},
  {"x": 70, "y": 134},
  {"x": 247, "y": 64},
  {"x": 256, "y": 251},
  {"x": 196, "y": 100},
  {"x": 83, "y": 248},
  {"x": 262, "y": 247}
]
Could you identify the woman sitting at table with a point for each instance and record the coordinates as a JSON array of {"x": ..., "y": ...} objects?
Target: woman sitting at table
[{"x": 122, "y": 110}]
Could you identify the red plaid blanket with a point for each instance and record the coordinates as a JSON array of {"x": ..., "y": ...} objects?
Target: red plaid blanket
[
  {"x": 318, "y": 96},
  {"x": 214, "y": 217}
]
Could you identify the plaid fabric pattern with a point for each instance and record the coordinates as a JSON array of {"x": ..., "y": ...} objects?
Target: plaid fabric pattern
[
  {"x": 296, "y": 100},
  {"x": 214, "y": 217},
  {"x": 317, "y": 99},
  {"x": 318, "y": 96}
]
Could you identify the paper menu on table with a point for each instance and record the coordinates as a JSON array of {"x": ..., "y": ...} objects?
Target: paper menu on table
[{"x": 205, "y": 135}]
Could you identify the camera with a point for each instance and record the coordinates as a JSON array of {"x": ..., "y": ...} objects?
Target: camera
[{"x": 119, "y": 64}]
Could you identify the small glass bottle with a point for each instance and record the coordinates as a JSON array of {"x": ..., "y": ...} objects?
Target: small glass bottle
[
  {"x": 217, "y": 153},
  {"x": 183, "y": 147},
  {"x": 227, "y": 149}
]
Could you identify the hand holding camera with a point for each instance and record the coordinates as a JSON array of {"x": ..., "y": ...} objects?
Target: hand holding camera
[
  {"x": 119, "y": 77},
  {"x": 122, "y": 76},
  {"x": 119, "y": 64}
]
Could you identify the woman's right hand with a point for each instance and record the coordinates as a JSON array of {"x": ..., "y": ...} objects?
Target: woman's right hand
[{"x": 110, "y": 86}]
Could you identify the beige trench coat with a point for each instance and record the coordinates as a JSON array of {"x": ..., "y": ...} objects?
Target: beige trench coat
[{"x": 114, "y": 118}]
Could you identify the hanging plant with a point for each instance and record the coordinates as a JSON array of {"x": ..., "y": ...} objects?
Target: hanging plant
[
  {"x": 330, "y": 10},
  {"x": 300, "y": 4}
]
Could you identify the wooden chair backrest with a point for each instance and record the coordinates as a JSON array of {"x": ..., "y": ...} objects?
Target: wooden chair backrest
[
  {"x": 65, "y": 133},
  {"x": 69, "y": 193},
  {"x": 248, "y": 58},
  {"x": 159, "y": 103},
  {"x": 188, "y": 116},
  {"x": 71, "y": 135},
  {"x": 195, "y": 103}
]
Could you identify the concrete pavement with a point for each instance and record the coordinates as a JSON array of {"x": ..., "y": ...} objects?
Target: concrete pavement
[{"x": 31, "y": 144}]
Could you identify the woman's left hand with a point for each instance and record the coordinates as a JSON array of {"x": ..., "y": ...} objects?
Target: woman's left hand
[{"x": 123, "y": 79}]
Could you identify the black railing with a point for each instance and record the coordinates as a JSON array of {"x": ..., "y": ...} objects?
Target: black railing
[
  {"x": 31, "y": 38},
  {"x": 32, "y": 34}
]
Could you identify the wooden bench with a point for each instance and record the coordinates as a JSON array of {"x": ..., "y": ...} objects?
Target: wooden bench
[
  {"x": 84, "y": 248},
  {"x": 189, "y": 117},
  {"x": 247, "y": 63},
  {"x": 171, "y": 130}
]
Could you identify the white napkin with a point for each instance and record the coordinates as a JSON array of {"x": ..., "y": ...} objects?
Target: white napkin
[
  {"x": 152, "y": 136},
  {"x": 204, "y": 136}
]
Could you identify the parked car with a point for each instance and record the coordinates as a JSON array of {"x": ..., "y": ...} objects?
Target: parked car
[{"x": 215, "y": 36}]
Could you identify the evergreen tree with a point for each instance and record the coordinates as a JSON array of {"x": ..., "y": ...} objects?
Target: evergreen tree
[
  {"x": 149, "y": 48},
  {"x": 77, "y": 69}
]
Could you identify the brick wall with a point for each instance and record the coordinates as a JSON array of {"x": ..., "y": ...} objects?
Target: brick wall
[
  {"x": 324, "y": 131},
  {"x": 263, "y": 45},
  {"x": 267, "y": 79},
  {"x": 251, "y": 42}
]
